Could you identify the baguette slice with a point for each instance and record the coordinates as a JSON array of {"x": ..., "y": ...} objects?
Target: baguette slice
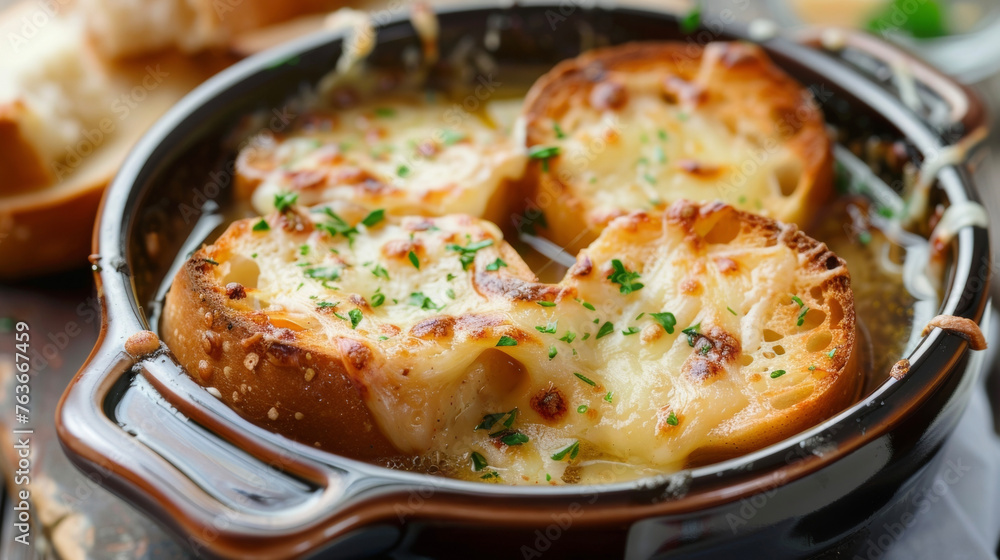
[
  {"x": 405, "y": 336},
  {"x": 641, "y": 125},
  {"x": 407, "y": 154}
]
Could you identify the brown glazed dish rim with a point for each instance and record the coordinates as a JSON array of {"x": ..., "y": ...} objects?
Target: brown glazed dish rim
[{"x": 93, "y": 440}]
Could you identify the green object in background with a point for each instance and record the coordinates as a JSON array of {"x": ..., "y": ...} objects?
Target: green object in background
[{"x": 922, "y": 19}]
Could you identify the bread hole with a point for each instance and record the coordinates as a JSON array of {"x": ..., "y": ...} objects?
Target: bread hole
[
  {"x": 832, "y": 262},
  {"x": 813, "y": 319},
  {"x": 243, "y": 271},
  {"x": 818, "y": 341},
  {"x": 793, "y": 395},
  {"x": 788, "y": 175},
  {"x": 723, "y": 231},
  {"x": 778, "y": 349},
  {"x": 771, "y": 336},
  {"x": 816, "y": 292},
  {"x": 487, "y": 382},
  {"x": 836, "y": 313},
  {"x": 745, "y": 359}
]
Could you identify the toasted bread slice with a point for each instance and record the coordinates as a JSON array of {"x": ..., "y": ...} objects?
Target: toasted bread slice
[
  {"x": 408, "y": 154},
  {"x": 67, "y": 120},
  {"x": 641, "y": 125},
  {"x": 429, "y": 336}
]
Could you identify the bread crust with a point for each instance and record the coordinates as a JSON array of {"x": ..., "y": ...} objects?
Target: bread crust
[
  {"x": 367, "y": 391},
  {"x": 675, "y": 93}
]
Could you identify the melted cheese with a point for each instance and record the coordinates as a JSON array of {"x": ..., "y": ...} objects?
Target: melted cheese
[
  {"x": 411, "y": 155},
  {"x": 592, "y": 370}
]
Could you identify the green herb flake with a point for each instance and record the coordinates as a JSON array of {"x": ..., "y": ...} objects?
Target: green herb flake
[
  {"x": 491, "y": 475},
  {"x": 385, "y": 112},
  {"x": 303, "y": 250},
  {"x": 414, "y": 260},
  {"x": 731, "y": 310},
  {"x": 543, "y": 152},
  {"x": 608, "y": 397},
  {"x": 262, "y": 225},
  {"x": 211, "y": 261},
  {"x": 802, "y": 317},
  {"x": 467, "y": 254},
  {"x": 672, "y": 419},
  {"x": 356, "y": 316},
  {"x": 831, "y": 353},
  {"x": 450, "y": 293},
  {"x": 552, "y": 352},
  {"x": 546, "y": 303},
  {"x": 283, "y": 201},
  {"x": 798, "y": 300},
  {"x": 569, "y": 337},
  {"x": 380, "y": 272},
  {"x": 418, "y": 299},
  {"x": 378, "y": 299},
  {"x": 588, "y": 305},
  {"x": 662, "y": 134},
  {"x": 607, "y": 328},
  {"x": 640, "y": 316},
  {"x": 548, "y": 477},
  {"x": 547, "y": 329},
  {"x": 692, "y": 333},
  {"x": 572, "y": 451},
  {"x": 558, "y": 130},
  {"x": 327, "y": 304},
  {"x": 584, "y": 378},
  {"x": 585, "y": 337},
  {"x": 777, "y": 373},
  {"x": 624, "y": 278},
  {"x": 450, "y": 137},
  {"x": 402, "y": 171},
  {"x": 630, "y": 330},
  {"x": 582, "y": 409},
  {"x": 506, "y": 341},
  {"x": 478, "y": 461},
  {"x": 496, "y": 265},
  {"x": 516, "y": 438},
  {"x": 666, "y": 320},
  {"x": 812, "y": 368},
  {"x": 450, "y": 277},
  {"x": 691, "y": 20},
  {"x": 373, "y": 218}
]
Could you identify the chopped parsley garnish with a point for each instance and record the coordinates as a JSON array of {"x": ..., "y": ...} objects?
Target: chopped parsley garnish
[
  {"x": 491, "y": 474},
  {"x": 552, "y": 352},
  {"x": 450, "y": 293},
  {"x": 705, "y": 349},
  {"x": 211, "y": 261},
  {"x": 584, "y": 378},
  {"x": 639, "y": 316},
  {"x": 692, "y": 333},
  {"x": 380, "y": 272},
  {"x": 731, "y": 310},
  {"x": 414, "y": 260},
  {"x": 337, "y": 226},
  {"x": 585, "y": 337},
  {"x": 572, "y": 451},
  {"x": 418, "y": 299},
  {"x": 777, "y": 373},
  {"x": 262, "y": 225},
  {"x": 378, "y": 299},
  {"x": 558, "y": 130},
  {"x": 672, "y": 419},
  {"x": 543, "y": 153},
  {"x": 467, "y": 254},
  {"x": 588, "y": 305},
  {"x": 385, "y": 112},
  {"x": 450, "y": 277},
  {"x": 582, "y": 408},
  {"x": 662, "y": 134},
  {"x": 490, "y": 420},
  {"x": 802, "y": 317},
  {"x": 607, "y": 328},
  {"x": 478, "y": 461},
  {"x": 449, "y": 137},
  {"x": 666, "y": 320},
  {"x": 630, "y": 330},
  {"x": 548, "y": 329},
  {"x": 356, "y": 316},
  {"x": 548, "y": 477},
  {"x": 832, "y": 352},
  {"x": 303, "y": 250},
  {"x": 691, "y": 20},
  {"x": 496, "y": 265},
  {"x": 284, "y": 200},
  {"x": 568, "y": 337},
  {"x": 329, "y": 273},
  {"x": 624, "y": 278},
  {"x": 798, "y": 301},
  {"x": 327, "y": 304},
  {"x": 608, "y": 397},
  {"x": 402, "y": 171},
  {"x": 649, "y": 179},
  {"x": 546, "y": 303},
  {"x": 373, "y": 218},
  {"x": 516, "y": 438},
  {"x": 812, "y": 368},
  {"x": 506, "y": 341}
]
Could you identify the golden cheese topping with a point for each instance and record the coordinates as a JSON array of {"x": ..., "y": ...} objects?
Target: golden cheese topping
[
  {"x": 679, "y": 337},
  {"x": 641, "y": 125},
  {"x": 407, "y": 154}
]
